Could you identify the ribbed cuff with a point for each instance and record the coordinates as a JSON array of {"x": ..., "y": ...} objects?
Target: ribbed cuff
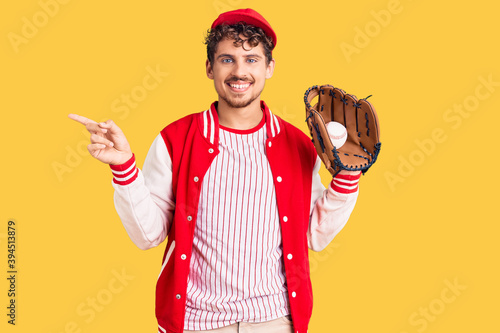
[
  {"x": 345, "y": 183},
  {"x": 125, "y": 173}
]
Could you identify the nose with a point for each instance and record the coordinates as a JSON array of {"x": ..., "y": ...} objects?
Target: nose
[{"x": 239, "y": 69}]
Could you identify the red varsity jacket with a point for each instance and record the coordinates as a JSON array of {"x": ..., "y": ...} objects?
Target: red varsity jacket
[{"x": 307, "y": 220}]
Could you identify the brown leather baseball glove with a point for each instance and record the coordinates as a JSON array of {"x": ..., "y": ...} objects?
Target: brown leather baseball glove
[{"x": 362, "y": 147}]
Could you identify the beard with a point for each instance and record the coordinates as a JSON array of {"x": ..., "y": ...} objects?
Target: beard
[{"x": 237, "y": 102}]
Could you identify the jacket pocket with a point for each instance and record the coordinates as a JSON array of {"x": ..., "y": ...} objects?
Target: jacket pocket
[{"x": 167, "y": 257}]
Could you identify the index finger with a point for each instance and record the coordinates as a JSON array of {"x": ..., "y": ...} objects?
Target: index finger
[{"x": 82, "y": 120}]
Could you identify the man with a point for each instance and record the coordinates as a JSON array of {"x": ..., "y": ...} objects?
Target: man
[{"x": 236, "y": 190}]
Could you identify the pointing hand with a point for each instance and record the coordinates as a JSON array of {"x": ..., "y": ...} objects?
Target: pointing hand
[{"x": 108, "y": 143}]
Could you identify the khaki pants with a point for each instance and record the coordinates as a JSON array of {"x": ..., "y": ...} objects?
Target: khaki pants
[{"x": 280, "y": 325}]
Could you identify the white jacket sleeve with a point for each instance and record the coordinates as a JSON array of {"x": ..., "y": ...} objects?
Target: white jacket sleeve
[
  {"x": 145, "y": 202},
  {"x": 330, "y": 208}
]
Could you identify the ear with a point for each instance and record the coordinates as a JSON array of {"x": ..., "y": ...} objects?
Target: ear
[
  {"x": 210, "y": 72},
  {"x": 270, "y": 69}
]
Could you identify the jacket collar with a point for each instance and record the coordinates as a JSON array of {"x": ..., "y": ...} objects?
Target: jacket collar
[{"x": 209, "y": 123}]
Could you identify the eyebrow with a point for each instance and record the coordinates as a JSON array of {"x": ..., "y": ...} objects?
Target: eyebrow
[{"x": 253, "y": 55}]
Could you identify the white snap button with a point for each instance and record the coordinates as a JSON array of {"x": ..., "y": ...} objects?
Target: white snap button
[
  {"x": 294, "y": 294},
  {"x": 279, "y": 179},
  {"x": 285, "y": 218},
  {"x": 183, "y": 256},
  {"x": 289, "y": 256},
  {"x": 196, "y": 179},
  {"x": 210, "y": 150},
  {"x": 178, "y": 296},
  {"x": 189, "y": 218},
  {"x": 270, "y": 144}
]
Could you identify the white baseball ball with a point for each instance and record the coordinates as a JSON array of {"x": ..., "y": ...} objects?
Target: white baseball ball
[{"x": 337, "y": 133}]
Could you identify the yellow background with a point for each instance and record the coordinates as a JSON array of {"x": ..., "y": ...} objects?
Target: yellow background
[{"x": 425, "y": 218}]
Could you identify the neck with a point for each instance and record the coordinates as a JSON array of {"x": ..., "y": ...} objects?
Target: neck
[{"x": 239, "y": 118}]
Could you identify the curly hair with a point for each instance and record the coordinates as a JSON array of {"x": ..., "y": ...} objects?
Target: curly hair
[{"x": 254, "y": 35}]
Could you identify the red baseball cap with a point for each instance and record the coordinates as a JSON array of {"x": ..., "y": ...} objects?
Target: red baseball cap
[{"x": 249, "y": 16}]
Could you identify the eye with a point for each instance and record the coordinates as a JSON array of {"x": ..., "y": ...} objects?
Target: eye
[
  {"x": 227, "y": 60},
  {"x": 251, "y": 60}
]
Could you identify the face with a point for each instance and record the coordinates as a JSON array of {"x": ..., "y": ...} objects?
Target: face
[{"x": 239, "y": 74}]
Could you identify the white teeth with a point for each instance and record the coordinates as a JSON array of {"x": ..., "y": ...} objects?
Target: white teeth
[{"x": 240, "y": 86}]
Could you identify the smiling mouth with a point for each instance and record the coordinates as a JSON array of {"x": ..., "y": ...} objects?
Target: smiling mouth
[{"x": 238, "y": 87}]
